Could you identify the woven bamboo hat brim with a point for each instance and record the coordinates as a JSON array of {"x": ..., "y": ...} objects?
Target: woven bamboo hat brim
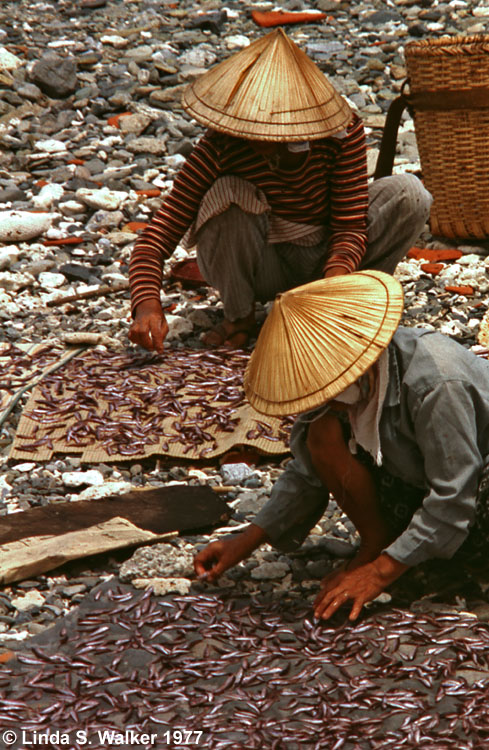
[
  {"x": 270, "y": 91},
  {"x": 319, "y": 338}
]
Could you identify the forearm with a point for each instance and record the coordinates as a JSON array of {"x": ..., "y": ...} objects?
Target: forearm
[
  {"x": 254, "y": 536},
  {"x": 354, "y": 490},
  {"x": 346, "y": 251}
]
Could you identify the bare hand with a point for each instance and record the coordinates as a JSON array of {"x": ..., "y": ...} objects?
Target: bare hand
[
  {"x": 218, "y": 556},
  {"x": 149, "y": 328},
  {"x": 359, "y": 585}
]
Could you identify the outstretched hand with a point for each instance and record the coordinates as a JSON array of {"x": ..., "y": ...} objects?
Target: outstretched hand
[
  {"x": 149, "y": 328},
  {"x": 218, "y": 556},
  {"x": 359, "y": 586}
]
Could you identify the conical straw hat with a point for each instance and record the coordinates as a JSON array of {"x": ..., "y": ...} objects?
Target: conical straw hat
[
  {"x": 319, "y": 338},
  {"x": 270, "y": 91}
]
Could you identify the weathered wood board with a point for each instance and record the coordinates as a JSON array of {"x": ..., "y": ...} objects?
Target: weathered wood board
[{"x": 40, "y": 539}]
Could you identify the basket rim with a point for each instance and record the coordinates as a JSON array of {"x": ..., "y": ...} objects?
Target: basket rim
[{"x": 471, "y": 43}]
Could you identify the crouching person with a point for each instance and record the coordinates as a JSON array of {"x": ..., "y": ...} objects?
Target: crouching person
[{"x": 393, "y": 423}]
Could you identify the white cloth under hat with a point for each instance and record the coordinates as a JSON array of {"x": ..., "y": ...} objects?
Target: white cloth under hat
[{"x": 364, "y": 415}]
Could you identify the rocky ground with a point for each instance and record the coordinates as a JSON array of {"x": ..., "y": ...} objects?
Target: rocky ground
[{"x": 91, "y": 135}]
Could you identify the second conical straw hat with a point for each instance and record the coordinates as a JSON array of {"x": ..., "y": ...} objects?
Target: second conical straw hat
[
  {"x": 270, "y": 91},
  {"x": 319, "y": 338}
]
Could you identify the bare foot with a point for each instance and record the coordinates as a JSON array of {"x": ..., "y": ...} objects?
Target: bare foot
[{"x": 235, "y": 333}]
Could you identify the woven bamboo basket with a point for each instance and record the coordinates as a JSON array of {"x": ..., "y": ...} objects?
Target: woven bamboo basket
[{"x": 449, "y": 94}]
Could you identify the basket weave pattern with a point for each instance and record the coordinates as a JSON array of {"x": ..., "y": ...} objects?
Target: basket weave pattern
[{"x": 453, "y": 144}]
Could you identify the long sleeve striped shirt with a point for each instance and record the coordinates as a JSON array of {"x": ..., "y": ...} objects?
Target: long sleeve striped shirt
[{"x": 328, "y": 190}]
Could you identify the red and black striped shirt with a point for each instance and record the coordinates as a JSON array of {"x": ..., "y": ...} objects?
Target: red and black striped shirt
[{"x": 329, "y": 189}]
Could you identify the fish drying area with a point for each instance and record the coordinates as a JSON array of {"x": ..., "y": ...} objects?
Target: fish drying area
[{"x": 122, "y": 646}]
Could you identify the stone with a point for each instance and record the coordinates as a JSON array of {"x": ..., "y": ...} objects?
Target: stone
[
  {"x": 162, "y": 560},
  {"x": 48, "y": 195},
  {"x": 178, "y": 327},
  {"x": 104, "y": 490},
  {"x": 134, "y": 123},
  {"x": 30, "y": 91},
  {"x": 337, "y": 547},
  {"x": 170, "y": 94},
  {"x": 50, "y": 280},
  {"x": 13, "y": 282},
  {"x": 12, "y": 194},
  {"x": 55, "y": 76},
  {"x": 51, "y": 146},
  {"x": 148, "y": 145},
  {"x": 318, "y": 568},
  {"x": 269, "y": 571},
  {"x": 77, "y": 272},
  {"x": 162, "y": 586},
  {"x": 8, "y": 256},
  {"x": 141, "y": 54},
  {"x": 383, "y": 598},
  {"x": 103, "y": 198},
  {"x": 235, "y": 473},
  {"x": 80, "y": 478},
  {"x": 249, "y": 503},
  {"x": 77, "y": 588},
  {"x": 119, "y": 42},
  {"x": 23, "y": 225},
  {"x": 237, "y": 41},
  {"x": 200, "y": 56},
  {"x": 28, "y": 601},
  {"x": 381, "y": 17},
  {"x": 72, "y": 208},
  {"x": 8, "y": 61}
]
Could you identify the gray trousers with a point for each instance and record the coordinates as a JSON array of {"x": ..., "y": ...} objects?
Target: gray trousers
[{"x": 235, "y": 257}]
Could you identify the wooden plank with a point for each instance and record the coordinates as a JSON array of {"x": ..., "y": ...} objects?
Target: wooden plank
[
  {"x": 159, "y": 510},
  {"x": 41, "y": 539},
  {"x": 31, "y": 556}
]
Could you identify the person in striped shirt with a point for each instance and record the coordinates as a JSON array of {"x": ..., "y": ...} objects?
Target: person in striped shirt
[{"x": 274, "y": 195}]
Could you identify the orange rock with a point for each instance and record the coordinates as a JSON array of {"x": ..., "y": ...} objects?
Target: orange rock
[
  {"x": 433, "y": 256},
  {"x": 149, "y": 193},
  {"x": 433, "y": 268},
  {"x": 77, "y": 162},
  {"x": 41, "y": 183},
  {"x": 280, "y": 17},
  {"x": 135, "y": 226},
  {"x": 64, "y": 241},
  {"x": 466, "y": 290},
  {"x": 7, "y": 656},
  {"x": 114, "y": 120}
]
